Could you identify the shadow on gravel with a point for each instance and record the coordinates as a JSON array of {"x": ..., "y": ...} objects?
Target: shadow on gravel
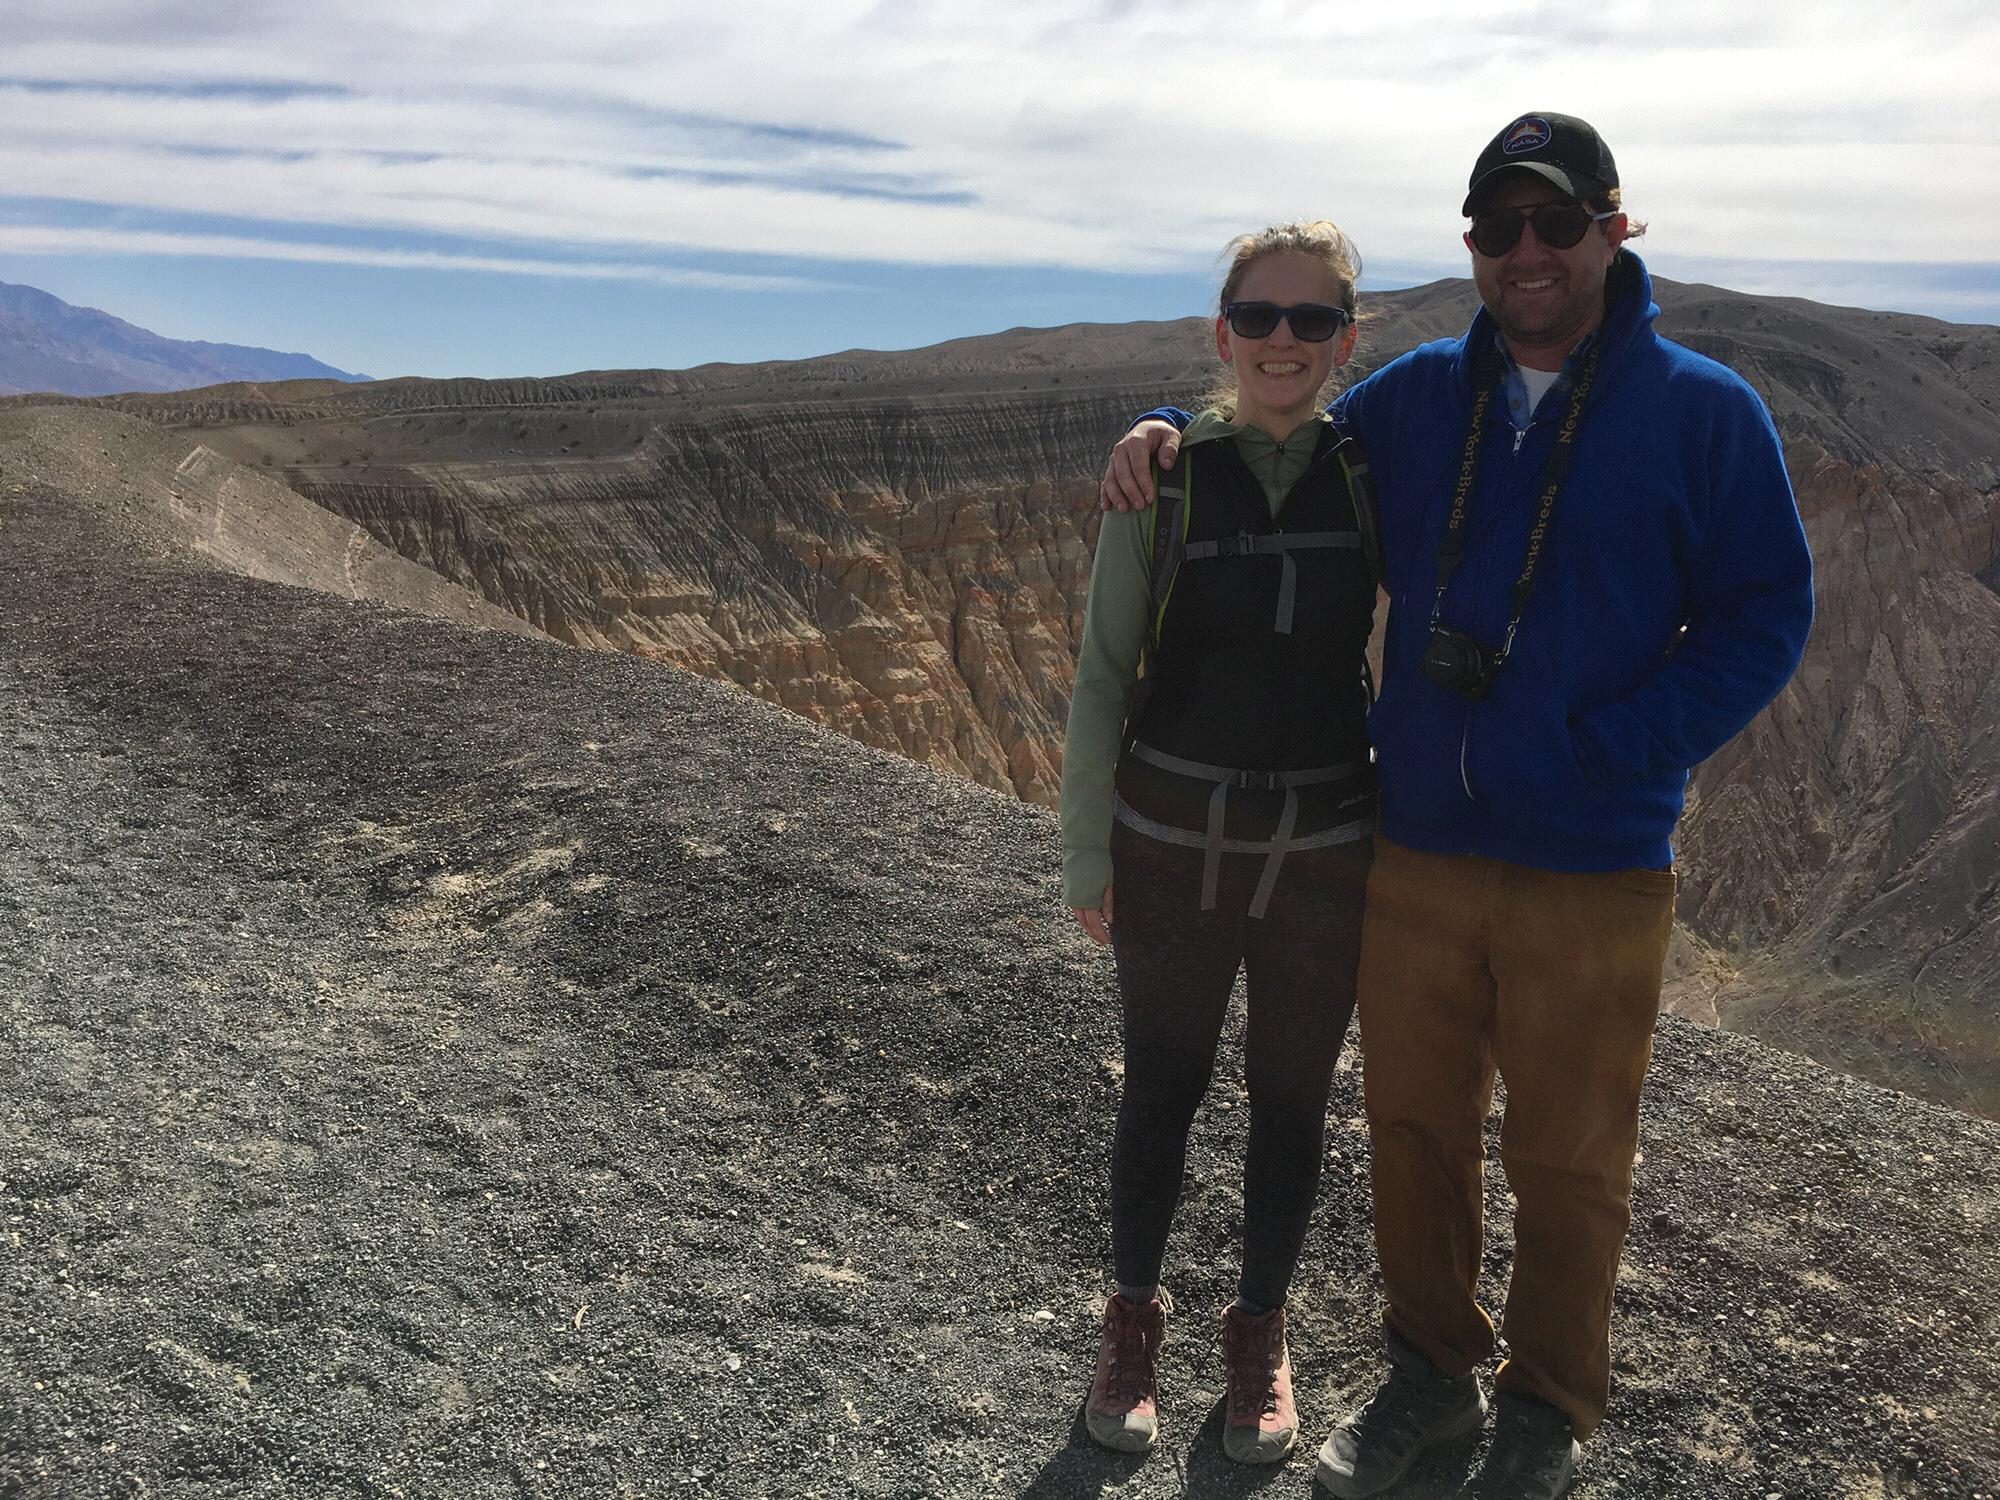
[
  {"x": 1442, "y": 1474},
  {"x": 1209, "y": 1473},
  {"x": 1082, "y": 1469}
]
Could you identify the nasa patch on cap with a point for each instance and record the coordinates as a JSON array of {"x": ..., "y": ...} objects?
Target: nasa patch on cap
[
  {"x": 1560, "y": 149},
  {"x": 1526, "y": 134}
]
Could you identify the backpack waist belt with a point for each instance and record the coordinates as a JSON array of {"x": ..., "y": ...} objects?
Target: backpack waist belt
[
  {"x": 1212, "y": 843},
  {"x": 1284, "y": 544}
]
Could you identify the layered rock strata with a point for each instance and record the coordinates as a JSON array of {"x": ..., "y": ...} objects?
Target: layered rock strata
[{"x": 912, "y": 577}]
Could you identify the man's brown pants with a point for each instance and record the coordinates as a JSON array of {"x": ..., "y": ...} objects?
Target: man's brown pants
[{"x": 1468, "y": 964}]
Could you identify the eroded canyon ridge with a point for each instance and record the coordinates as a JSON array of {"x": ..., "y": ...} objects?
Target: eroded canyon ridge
[{"x": 897, "y": 545}]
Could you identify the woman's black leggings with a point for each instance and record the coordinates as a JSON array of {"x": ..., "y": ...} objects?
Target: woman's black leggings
[{"x": 1176, "y": 967}]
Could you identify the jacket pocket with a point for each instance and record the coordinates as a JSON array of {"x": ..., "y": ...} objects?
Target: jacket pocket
[
  {"x": 1524, "y": 766},
  {"x": 1418, "y": 731}
]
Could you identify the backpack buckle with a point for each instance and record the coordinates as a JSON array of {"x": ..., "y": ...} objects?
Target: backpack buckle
[{"x": 1243, "y": 544}]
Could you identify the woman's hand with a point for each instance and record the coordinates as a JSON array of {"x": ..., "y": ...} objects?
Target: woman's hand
[
  {"x": 1096, "y": 920},
  {"x": 1128, "y": 477}
]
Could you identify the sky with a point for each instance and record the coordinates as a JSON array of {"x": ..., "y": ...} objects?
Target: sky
[{"x": 492, "y": 188}]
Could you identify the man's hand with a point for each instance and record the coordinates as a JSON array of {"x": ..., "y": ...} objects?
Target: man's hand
[
  {"x": 1096, "y": 920},
  {"x": 1128, "y": 477}
]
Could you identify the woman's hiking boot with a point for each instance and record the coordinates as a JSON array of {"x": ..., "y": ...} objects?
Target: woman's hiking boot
[
  {"x": 1534, "y": 1453},
  {"x": 1418, "y": 1407},
  {"x": 1122, "y": 1410},
  {"x": 1262, "y": 1424}
]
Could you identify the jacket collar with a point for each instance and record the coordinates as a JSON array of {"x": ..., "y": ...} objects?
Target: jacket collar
[{"x": 1211, "y": 425}]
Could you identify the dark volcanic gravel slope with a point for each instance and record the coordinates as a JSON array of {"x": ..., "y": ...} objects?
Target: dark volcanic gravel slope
[{"x": 445, "y": 1064}]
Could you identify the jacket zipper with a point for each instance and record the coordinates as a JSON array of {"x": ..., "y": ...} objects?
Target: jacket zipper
[{"x": 1310, "y": 469}]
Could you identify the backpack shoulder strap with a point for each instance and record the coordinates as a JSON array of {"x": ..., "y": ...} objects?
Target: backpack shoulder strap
[
  {"x": 1368, "y": 521},
  {"x": 1367, "y": 517},
  {"x": 1166, "y": 544},
  {"x": 1169, "y": 517}
]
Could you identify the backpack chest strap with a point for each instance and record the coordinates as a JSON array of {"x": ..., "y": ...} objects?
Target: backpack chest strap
[{"x": 1281, "y": 544}]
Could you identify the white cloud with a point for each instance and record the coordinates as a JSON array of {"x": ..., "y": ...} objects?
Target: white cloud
[
  {"x": 60, "y": 239},
  {"x": 1110, "y": 136}
]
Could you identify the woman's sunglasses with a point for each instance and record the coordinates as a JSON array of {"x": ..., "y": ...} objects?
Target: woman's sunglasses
[
  {"x": 1312, "y": 322},
  {"x": 1557, "y": 225}
]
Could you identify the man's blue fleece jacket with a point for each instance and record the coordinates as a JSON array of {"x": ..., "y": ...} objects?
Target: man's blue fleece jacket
[{"x": 1672, "y": 600}]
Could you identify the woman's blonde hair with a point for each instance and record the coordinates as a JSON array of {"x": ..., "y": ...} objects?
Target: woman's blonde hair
[{"x": 1316, "y": 239}]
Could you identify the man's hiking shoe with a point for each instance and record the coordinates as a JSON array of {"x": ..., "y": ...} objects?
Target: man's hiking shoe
[
  {"x": 1261, "y": 1425},
  {"x": 1122, "y": 1410},
  {"x": 1533, "y": 1456},
  {"x": 1418, "y": 1407}
]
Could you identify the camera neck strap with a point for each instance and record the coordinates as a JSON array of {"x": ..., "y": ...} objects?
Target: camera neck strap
[{"x": 1451, "y": 550}]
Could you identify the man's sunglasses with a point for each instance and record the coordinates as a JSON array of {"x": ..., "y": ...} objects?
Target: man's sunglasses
[
  {"x": 1557, "y": 225},
  {"x": 1312, "y": 322}
]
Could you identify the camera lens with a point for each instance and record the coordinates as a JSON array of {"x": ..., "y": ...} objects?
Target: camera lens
[{"x": 1457, "y": 662}]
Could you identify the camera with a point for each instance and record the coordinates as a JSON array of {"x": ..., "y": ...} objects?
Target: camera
[{"x": 1458, "y": 663}]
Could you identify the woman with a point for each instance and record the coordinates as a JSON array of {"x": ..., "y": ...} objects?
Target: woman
[{"x": 1216, "y": 777}]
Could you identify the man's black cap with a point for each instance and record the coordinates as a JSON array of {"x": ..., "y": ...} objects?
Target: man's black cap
[{"x": 1560, "y": 148}]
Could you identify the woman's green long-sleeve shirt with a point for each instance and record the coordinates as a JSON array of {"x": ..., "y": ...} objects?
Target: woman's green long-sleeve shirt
[{"x": 1114, "y": 636}]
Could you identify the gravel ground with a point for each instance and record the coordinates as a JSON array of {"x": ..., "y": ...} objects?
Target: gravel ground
[{"x": 446, "y": 1064}]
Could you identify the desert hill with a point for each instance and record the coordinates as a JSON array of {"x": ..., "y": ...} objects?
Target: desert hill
[
  {"x": 896, "y": 545},
  {"x": 48, "y": 345},
  {"x": 171, "y": 494},
  {"x": 442, "y": 1062}
]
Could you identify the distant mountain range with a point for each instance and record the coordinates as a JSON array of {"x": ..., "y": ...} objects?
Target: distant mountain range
[{"x": 48, "y": 345}]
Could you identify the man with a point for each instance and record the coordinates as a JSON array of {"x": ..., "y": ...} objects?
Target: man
[{"x": 1597, "y": 577}]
